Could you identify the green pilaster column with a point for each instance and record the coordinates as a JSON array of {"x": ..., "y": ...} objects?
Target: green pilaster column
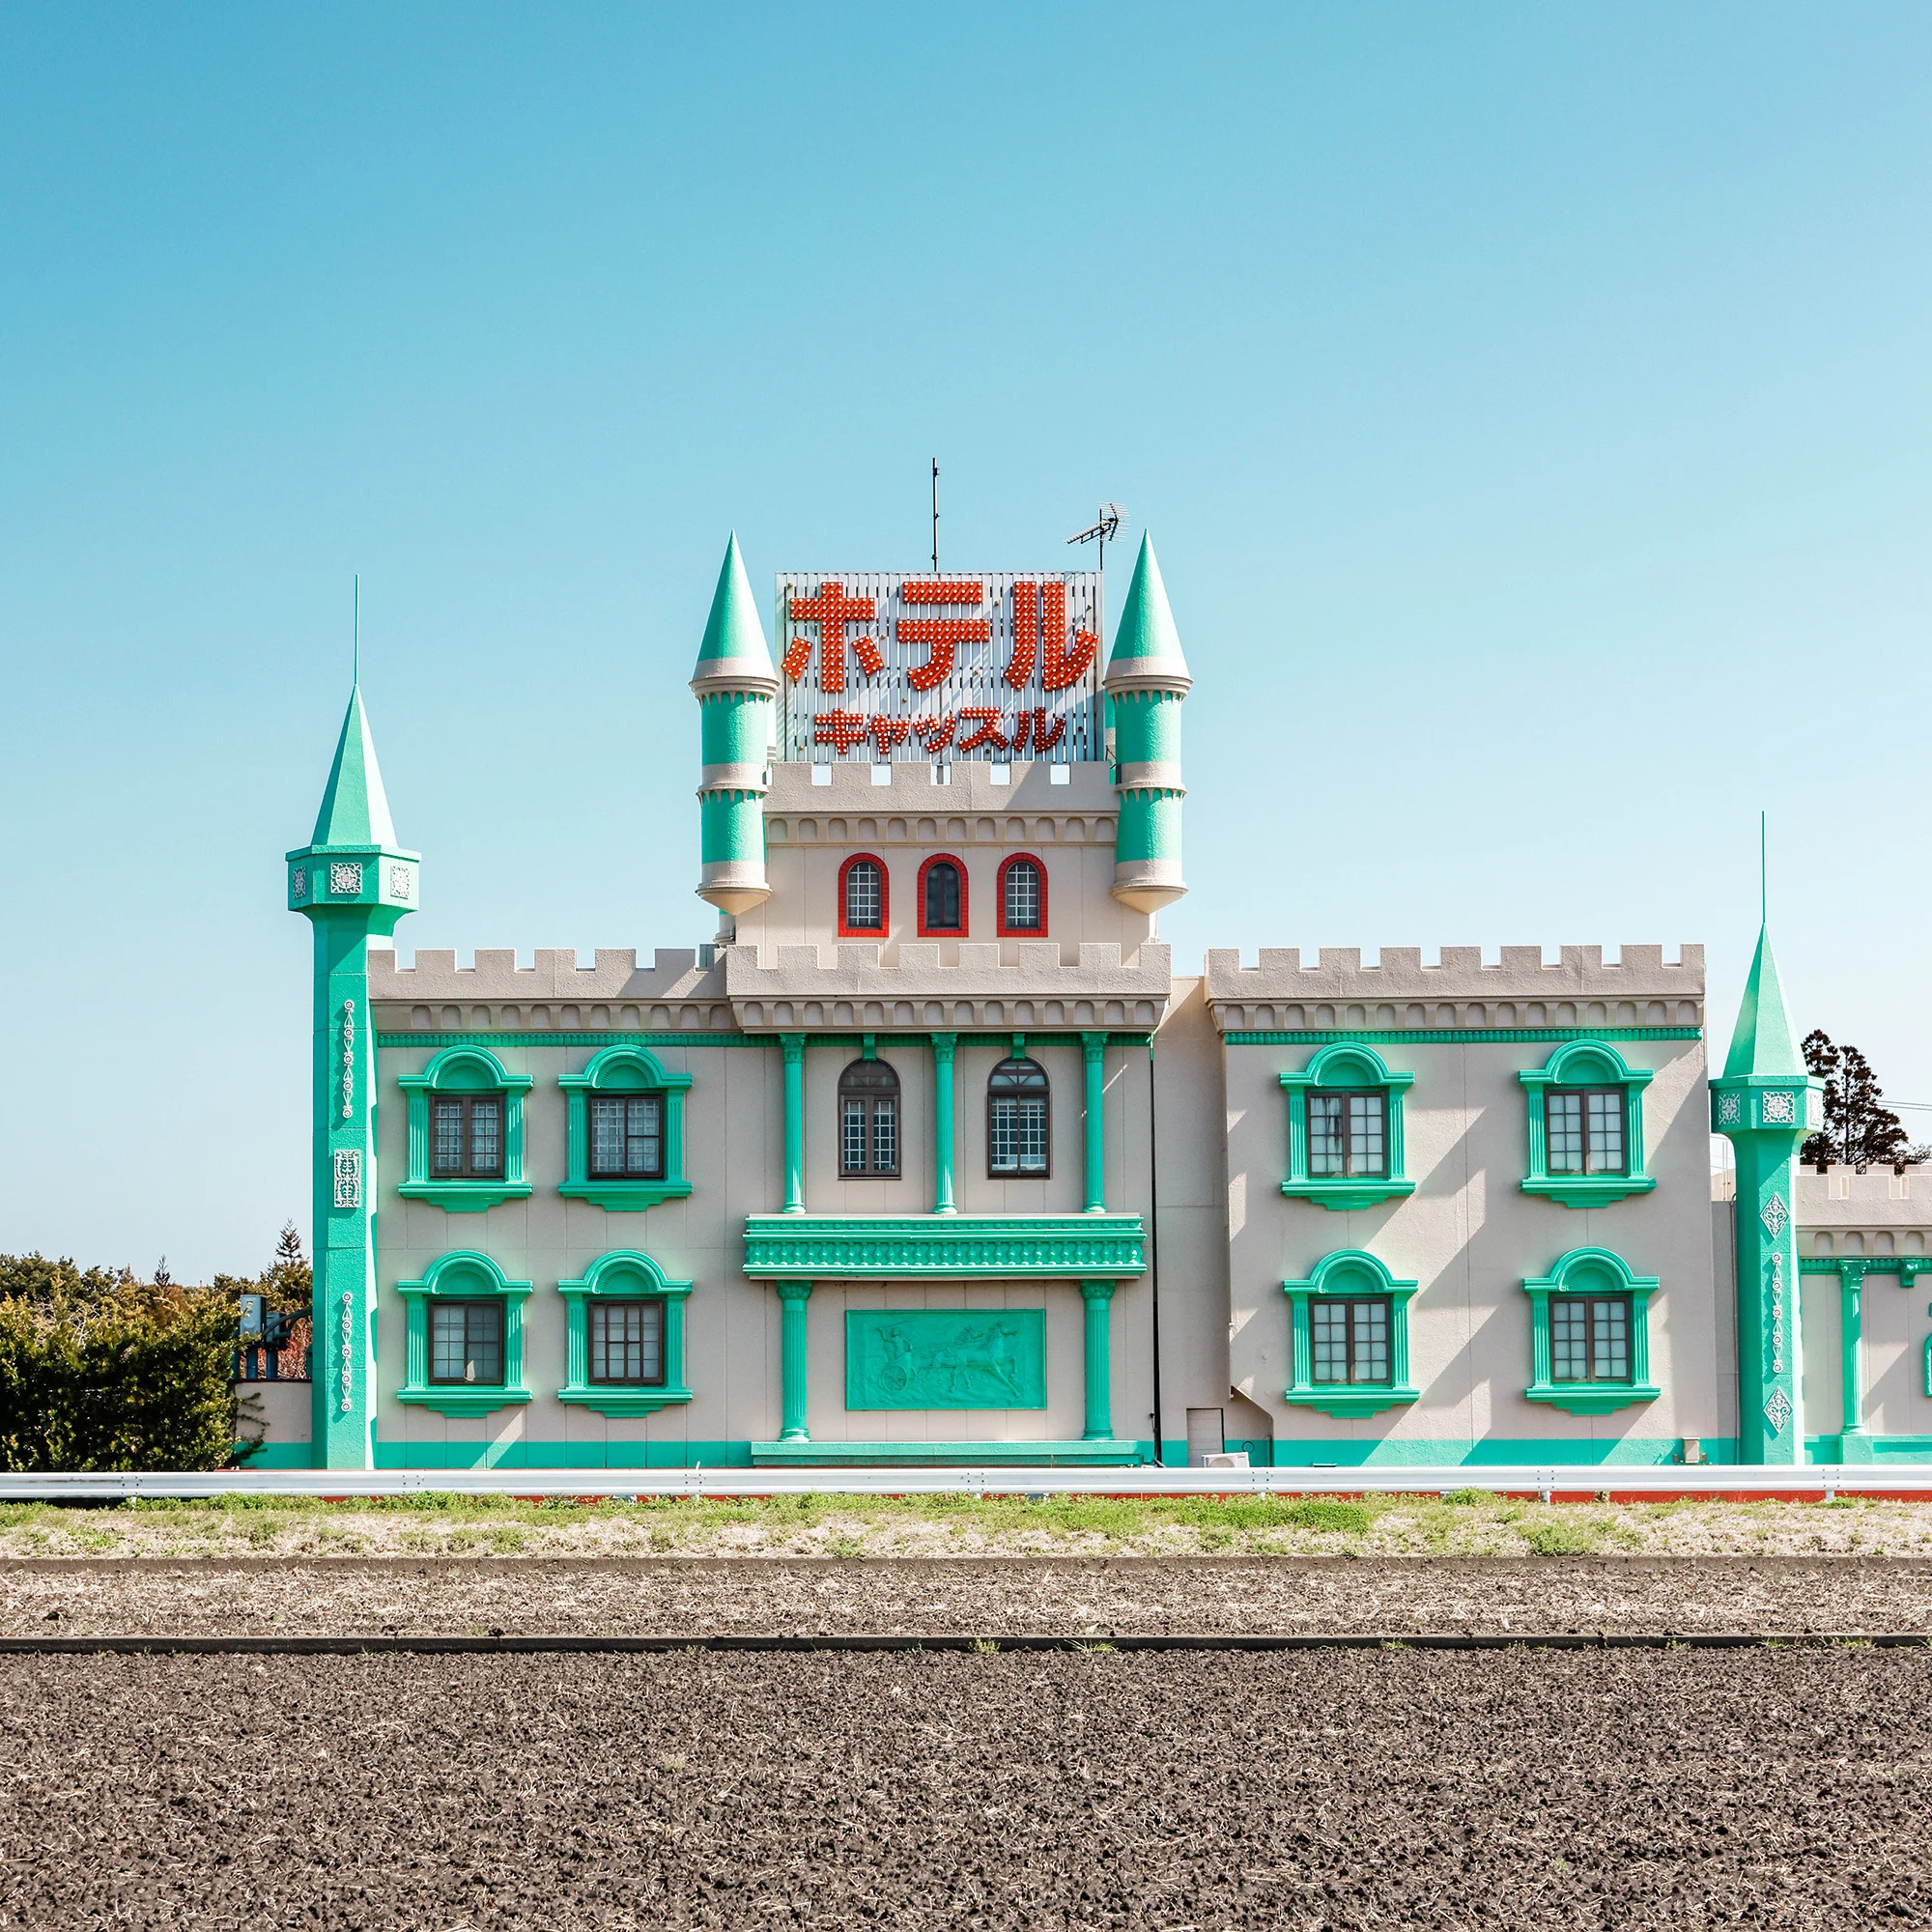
[
  {"x": 1764, "y": 1103},
  {"x": 1855, "y": 1444},
  {"x": 1094, "y": 1049},
  {"x": 793, "y": 1044},
  {"x": 1098, "y": 1296},
  {"x": 944, "y": 1046},
  {"x": 352, "y": 882},
  {"x": 794, "y": 1369}
]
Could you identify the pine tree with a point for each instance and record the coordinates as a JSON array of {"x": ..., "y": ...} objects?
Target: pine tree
[
  {"x": 1857, "y": 1132},
  {"x": 288, "y": 1282}
]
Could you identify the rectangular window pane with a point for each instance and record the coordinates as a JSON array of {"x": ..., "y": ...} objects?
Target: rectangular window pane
[
  {"x": 644, "y": 1148},
  {"x": 1329, "y": 1330},
  {"x": 1563, "y": 1123},
  {"x": 1368, "y": 1357},
  {"x": 607, "y": 1135},
  {"x": 445, "y": 1137},
  {"x": 1606, "y": 1131},
  {"x": 862, "y": 895},
  {"x": 1004, "y": 1129},
  {"x": 852, "y": 1137},
  {"x": 1326, "y": 1148},
  {"x": 1610, "y": 1341},
  {"x": 1569, "y": 1339},
  {"x": 627, "y": 1342},
  {"x": 885, "y": 1137},
  {"x": 465, "y": 1342},
  {"x": 486, "y": 1137},
  {"x": 1032, "y": 1136},
  {"x": 1365, "y": 1134}
]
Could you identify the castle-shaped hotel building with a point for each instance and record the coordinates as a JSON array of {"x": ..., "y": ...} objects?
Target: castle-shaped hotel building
[{"x": 931, "y": 1157}]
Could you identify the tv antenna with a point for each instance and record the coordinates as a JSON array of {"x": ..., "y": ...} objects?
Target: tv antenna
[
  {"x": 1103, "y": 531},
  {"x": 936, "y": 516}
]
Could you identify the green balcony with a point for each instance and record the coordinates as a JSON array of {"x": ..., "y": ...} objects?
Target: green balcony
[{"x": 954, "y": 1247}]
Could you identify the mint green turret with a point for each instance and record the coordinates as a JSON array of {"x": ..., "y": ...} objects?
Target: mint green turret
[
  {"x": 1764, "y": 1103},
  {"x": 1147, "y": 681},
  {"x": 352, "y": 881},
  {"x": 734, "y": 684}
]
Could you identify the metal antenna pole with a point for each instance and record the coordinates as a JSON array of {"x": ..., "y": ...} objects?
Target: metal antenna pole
[
  {"x": 355, "y": 634},
  {"x": 1763, "y": 875},
  {"x": 936, "y": 516}
]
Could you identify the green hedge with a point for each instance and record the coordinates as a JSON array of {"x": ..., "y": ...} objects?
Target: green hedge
[{"x": 98, "y": 1371}]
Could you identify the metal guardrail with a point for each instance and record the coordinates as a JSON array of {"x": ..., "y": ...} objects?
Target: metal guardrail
[{"x": 1567, "y": 1482}]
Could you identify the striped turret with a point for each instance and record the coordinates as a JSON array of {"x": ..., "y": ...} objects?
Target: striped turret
[
  {"x": 734, "y": 684},
  {"x": 1147, "y": 681}
]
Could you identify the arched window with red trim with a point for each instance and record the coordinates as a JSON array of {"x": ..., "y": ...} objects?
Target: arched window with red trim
[
  {"x": 941, "y": 898},
  {"x": 863, "y": 903},
  {"x": 1022, "y": 897}
]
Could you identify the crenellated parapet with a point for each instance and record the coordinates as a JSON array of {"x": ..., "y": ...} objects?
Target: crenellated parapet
[
  {"x": 1521, "y": 989},
  {"x": 681, "y": 989},
  {"x": 850, "y": 985}
]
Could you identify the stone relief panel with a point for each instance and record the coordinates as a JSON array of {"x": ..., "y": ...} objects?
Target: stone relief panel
[{"x": 946, "y": 1358}]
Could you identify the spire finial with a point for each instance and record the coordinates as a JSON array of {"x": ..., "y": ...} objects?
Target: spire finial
[
  {"x": 1763, "y": 874},
  {"x": 356, "y": 632}
]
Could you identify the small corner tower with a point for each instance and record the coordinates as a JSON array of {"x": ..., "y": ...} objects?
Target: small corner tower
[
  {"x": 734, "y": 684},
  {"x": 1764, "y": 1103},
  {"x": 1147, "y": 680},
  {"x": 352, "y": 881}
]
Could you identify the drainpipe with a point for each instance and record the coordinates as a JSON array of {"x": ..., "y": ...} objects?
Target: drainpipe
[{"x": 1153, "y": 1250}]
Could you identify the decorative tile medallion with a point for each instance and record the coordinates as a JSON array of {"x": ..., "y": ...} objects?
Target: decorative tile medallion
[
  {"x": 1777, "y": 1410},
  {"x": 348, "y": 1059},
  {"x": 1779, "y": 1110},
  {"x": 348, "y": 1177},
  {"x": 299, "y": 883},
  {"x": 1729, "y": 1113},
  {"x": 345, "y": 876},
  {"x": 345, "y": 1380},
  {"x": 1776, "y": 1216},
  {"x": 399, "y": 882}
]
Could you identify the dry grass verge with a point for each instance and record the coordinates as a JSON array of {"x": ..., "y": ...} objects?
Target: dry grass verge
[{"x": 1466, "y": 1523}]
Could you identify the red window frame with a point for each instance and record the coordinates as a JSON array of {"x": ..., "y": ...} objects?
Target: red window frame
[
  {"x": 885, "y": 924},
  {"x": 1007, "y": 865},
  {"x": 958, "y": 931}
]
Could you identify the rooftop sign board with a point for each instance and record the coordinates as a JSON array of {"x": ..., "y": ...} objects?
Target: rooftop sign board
[{"x": 876, "y": 666}]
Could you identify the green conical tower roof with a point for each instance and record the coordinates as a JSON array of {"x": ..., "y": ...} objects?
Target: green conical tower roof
[
  {"x": 734, "y": 643},
  {"x": 1146, "y": 647},
  {"x": 354, "y": 809},
  {"x": 1763, "y": 1041}
]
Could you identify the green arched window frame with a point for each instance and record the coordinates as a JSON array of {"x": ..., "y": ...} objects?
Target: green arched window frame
[
  {"x": 463, "y": 1276},
  {"x": 626, "y": 1275},
  {"x": 1591, "y": 1271},
  {"x": 1586, "y": 1063},
  {"x": 1347, "y": 1272},
  {"x": 464, "y": 1070},
  {"x": 623, "y": 1069},
  {"x": 1346, "y": 1065}
]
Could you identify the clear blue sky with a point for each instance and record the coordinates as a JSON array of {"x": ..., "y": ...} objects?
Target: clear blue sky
[{"x": 1530, "y": 405}]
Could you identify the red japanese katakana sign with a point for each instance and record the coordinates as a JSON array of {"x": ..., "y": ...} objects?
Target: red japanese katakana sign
[{"x": 878, "y": 667}]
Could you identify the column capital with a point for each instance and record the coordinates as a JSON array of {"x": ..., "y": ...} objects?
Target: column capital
[
  {"x": 944, "y": 1043},
  {"x": 1098, "y": 1291},
  {"x": 793, "y": 1291},
  {"x": 1092, "y": 1044},
  {"x": 793, "y": 1044}
]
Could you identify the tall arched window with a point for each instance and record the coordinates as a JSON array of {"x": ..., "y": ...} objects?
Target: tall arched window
[
  {"x": 869, "y": 1118},
  {"x": 942, "y": 898},
  {"x": 1022, "y": 897},
  {"x": 862, "y": 897},
  {"x": 1016, "y": 1127}
]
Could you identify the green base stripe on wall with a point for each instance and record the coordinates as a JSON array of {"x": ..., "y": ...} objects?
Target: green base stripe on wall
[{"x": 1454, "y": 1035}]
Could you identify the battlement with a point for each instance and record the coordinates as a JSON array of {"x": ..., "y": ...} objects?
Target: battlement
[
  {"x": 1521, "y": 990},
  {"x": 850, "y": 985},
  {"x": 682, "y": 988}
]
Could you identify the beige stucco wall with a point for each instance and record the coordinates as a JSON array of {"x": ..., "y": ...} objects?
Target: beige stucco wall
[
  {"x": 1470, "y": 1235},
  {"x": 1843, "y": 1213}
]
